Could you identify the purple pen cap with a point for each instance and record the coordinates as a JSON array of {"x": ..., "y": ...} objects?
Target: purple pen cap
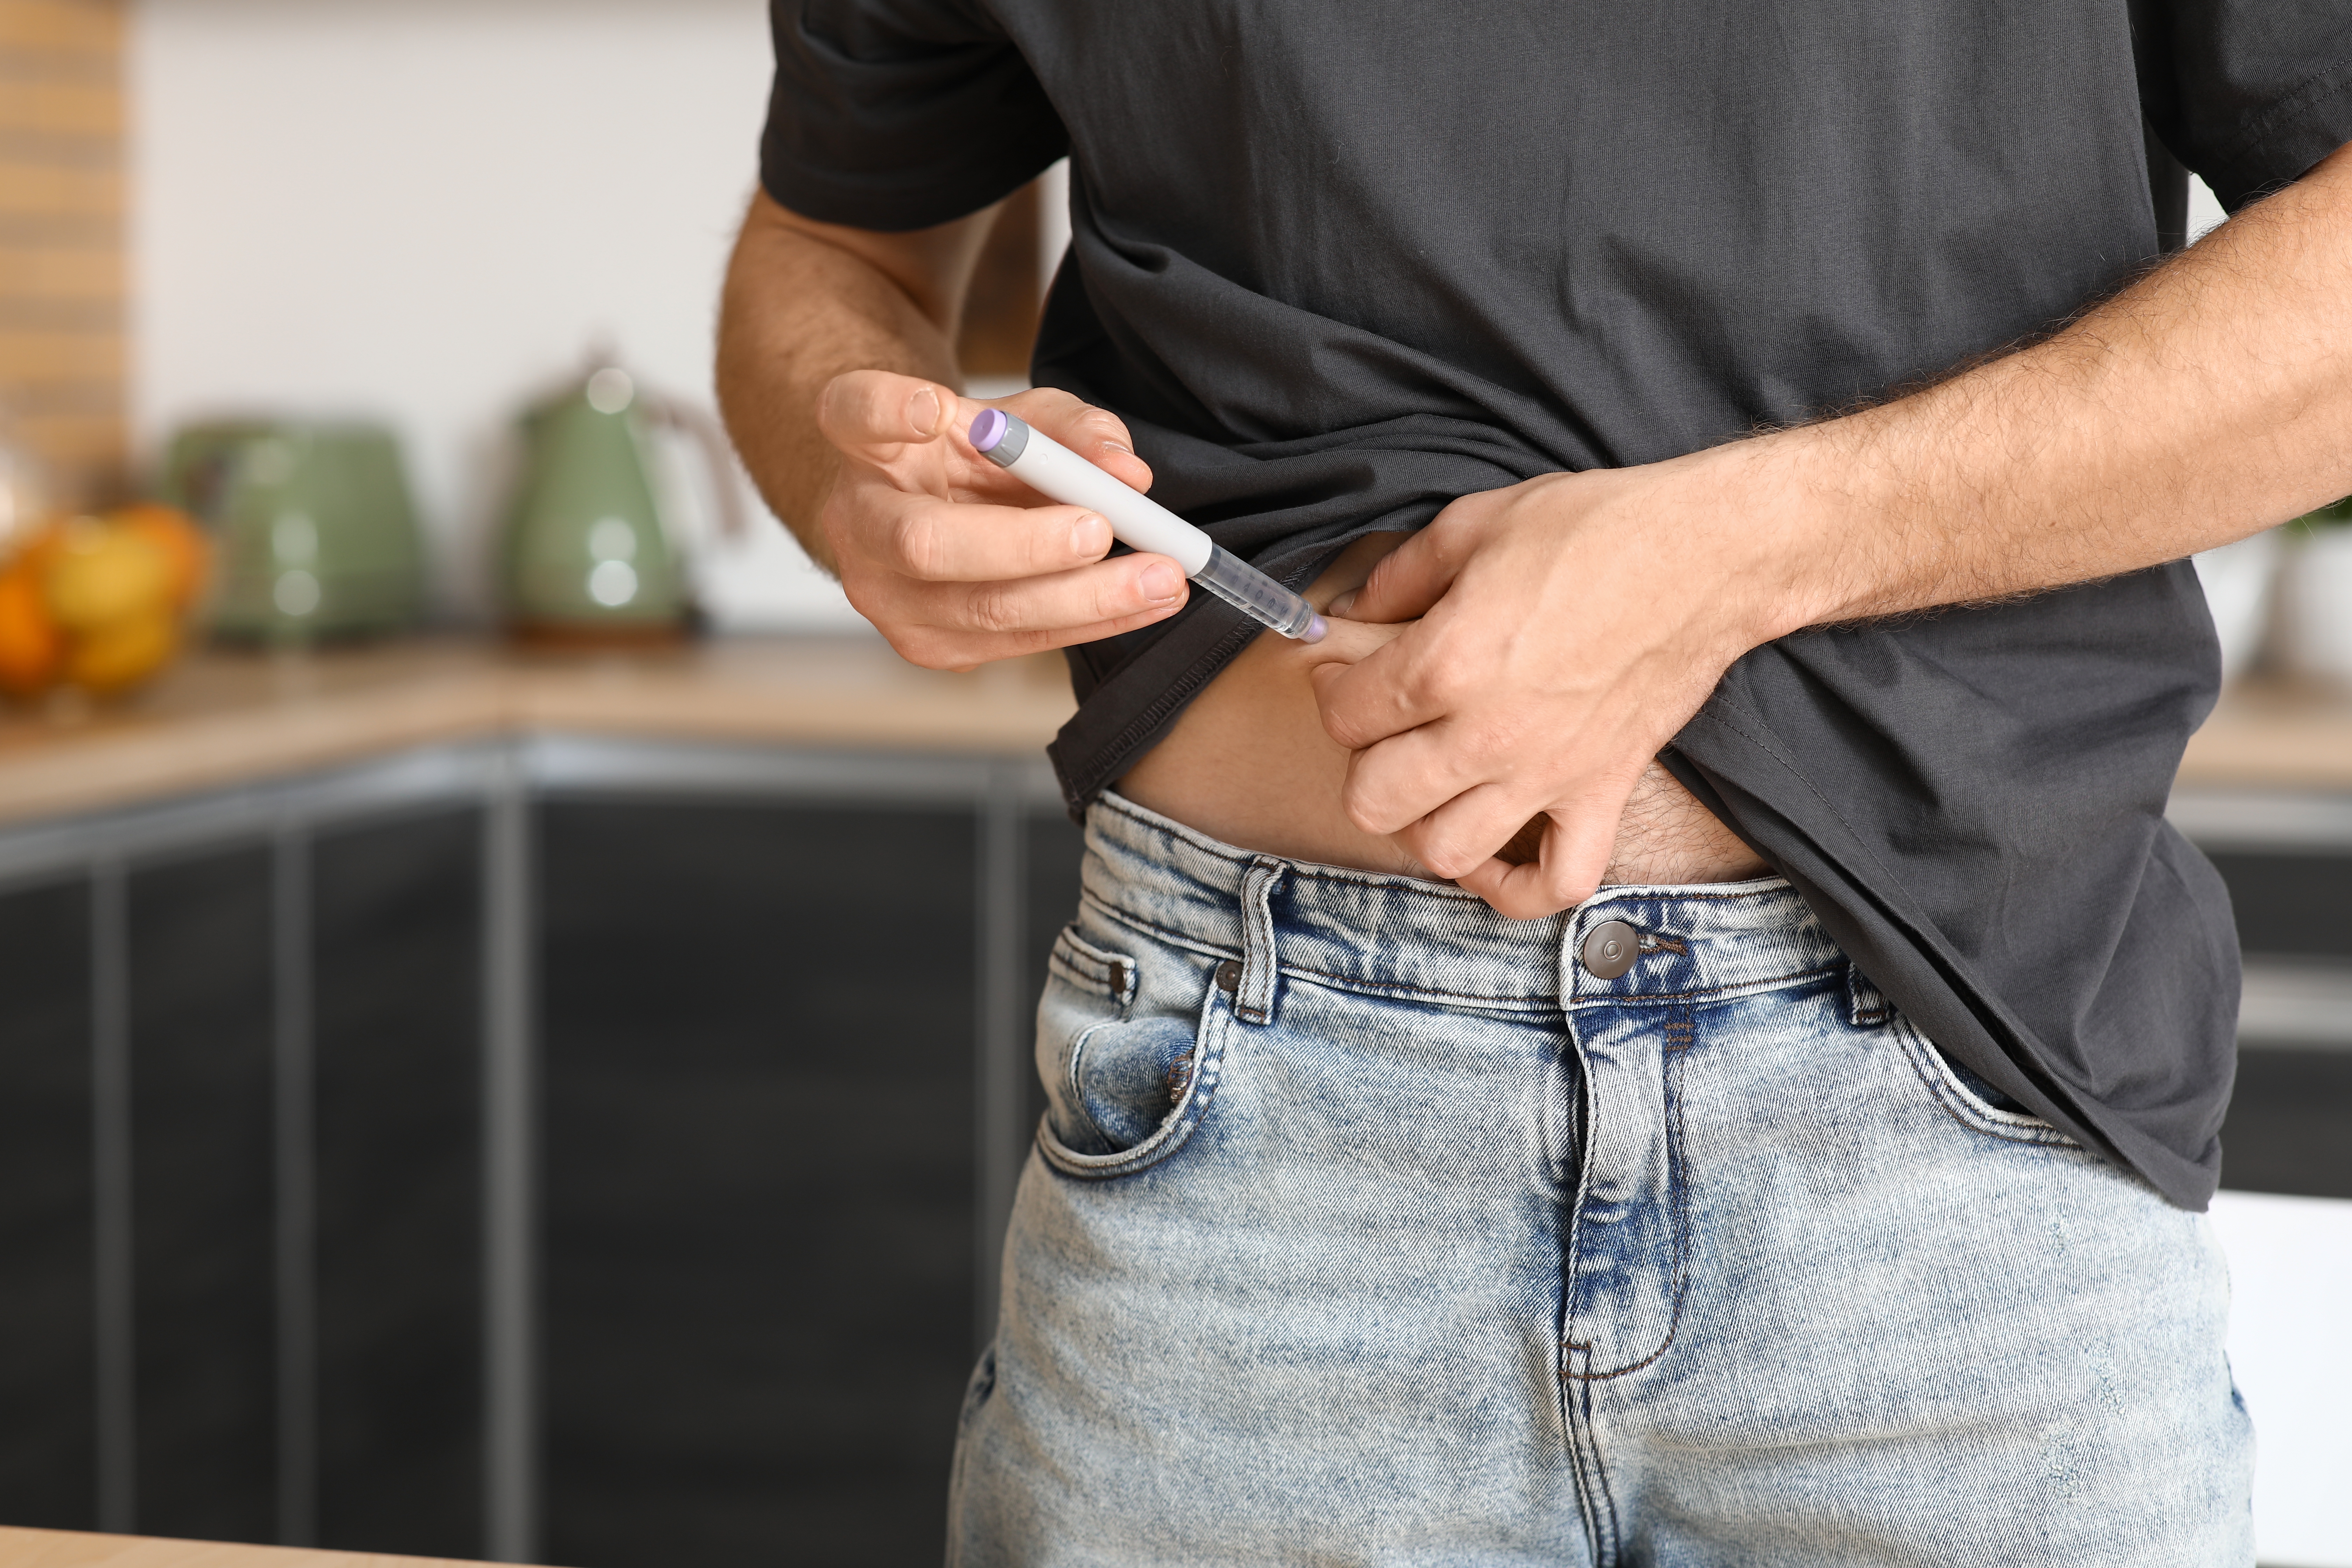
[{"x": 988, "y": 430}]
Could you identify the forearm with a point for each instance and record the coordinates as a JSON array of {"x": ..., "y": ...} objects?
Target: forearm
[
  {"x": 806, "y": 302},
  {"x": 2211, "y": 398}
]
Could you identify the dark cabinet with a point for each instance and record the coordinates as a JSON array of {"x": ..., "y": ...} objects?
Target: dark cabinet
[
  {"x": 394, "y": 1004},
  {"x": 757, "y": 1052},
  {"x": 48, "y": 1307},
  {"x": 202, "y": 1276},
  {"x": 759, "y": 1168},
  {"x": 2289, "y": 1128}
]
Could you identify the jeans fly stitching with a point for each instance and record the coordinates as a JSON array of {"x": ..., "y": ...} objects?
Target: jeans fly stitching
[
  {"x": 1611, "y": 1541},
  {"x": 1679, "y": 1035}
]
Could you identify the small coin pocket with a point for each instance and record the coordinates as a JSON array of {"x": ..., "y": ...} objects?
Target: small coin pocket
[{"x": 1115, "y": 1069}]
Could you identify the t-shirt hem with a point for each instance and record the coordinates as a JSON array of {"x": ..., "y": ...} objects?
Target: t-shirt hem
[{"x": 890, "y": 212}]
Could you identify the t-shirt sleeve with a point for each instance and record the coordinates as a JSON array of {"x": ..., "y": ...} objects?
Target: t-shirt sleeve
[
  {"x": 2248, "y": 93},
  {"x": 899, "y": 114}
]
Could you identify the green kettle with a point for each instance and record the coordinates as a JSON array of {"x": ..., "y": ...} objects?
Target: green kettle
[
  {"x": 316, "y": 532},
  {"x": 585, "y": 556}
]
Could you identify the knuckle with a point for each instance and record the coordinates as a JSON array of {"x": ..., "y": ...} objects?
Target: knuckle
[
  {"x": 1111, "y": 596},
  {"x": 919, "y": 645},
  {"x": 1364, "y": 808},
  {"x": 1447, "y": 682},
  {"x": 928, "y": 648},
  {"x": 1047, "y": 544},
  {"x": 920, "y": 544},
  {"x": 991, "y": 609},
  {"x": 1342, "y": 727},
  {"x": 844, "y": 407}
]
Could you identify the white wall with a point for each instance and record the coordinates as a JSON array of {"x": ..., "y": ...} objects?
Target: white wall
[
  {"x": 2205, "y": 214},
  {"x": 2291, "y": 1352},
  {"x": 426, "y": 211}
]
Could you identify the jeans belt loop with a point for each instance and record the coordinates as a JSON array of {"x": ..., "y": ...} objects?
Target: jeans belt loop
[
  {"x": 1254, "y": 997},
  {"x": 1867, "y": 1005}
]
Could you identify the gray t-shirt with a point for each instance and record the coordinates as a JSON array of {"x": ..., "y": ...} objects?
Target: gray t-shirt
[{"x": 1338, "y": 262}]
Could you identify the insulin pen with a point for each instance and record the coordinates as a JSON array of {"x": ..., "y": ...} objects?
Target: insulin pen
[{"x": 1050, "y": 468}]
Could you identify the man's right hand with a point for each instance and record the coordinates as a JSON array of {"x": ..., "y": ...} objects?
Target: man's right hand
[{"x": 955, "y": 560}]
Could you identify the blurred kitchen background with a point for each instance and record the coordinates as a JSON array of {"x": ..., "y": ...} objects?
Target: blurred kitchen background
[{"x": 513, "y": 1004}]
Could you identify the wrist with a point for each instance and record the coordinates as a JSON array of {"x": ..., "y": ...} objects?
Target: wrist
[{"x": 1781, "y": 533}]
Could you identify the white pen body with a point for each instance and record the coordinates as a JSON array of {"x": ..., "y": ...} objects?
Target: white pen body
[{"x": 1050, "y": 468}]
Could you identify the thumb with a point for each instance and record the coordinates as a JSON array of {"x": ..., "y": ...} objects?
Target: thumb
[{"x": 863, "y": 412}]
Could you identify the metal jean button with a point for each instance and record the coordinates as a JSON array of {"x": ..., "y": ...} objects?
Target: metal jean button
[{"x": 1609, "y": 949}]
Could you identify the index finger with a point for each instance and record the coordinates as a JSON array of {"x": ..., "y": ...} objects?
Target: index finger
[
  {"x": 1407, "y": 582},
  {"x": 1385, "y": 693},
  {"x": 938, "y": 541},
  {"x": 1097, "y": 435}
]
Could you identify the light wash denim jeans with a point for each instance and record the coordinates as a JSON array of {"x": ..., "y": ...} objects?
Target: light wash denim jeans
[{"x": 1366, "y": 1227}]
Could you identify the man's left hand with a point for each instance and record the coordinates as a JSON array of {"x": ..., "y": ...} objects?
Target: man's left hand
[{"x": 1567, "y": 627}]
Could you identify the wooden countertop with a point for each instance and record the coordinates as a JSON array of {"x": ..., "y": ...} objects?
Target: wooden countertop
[
  {"x": 71, "y": 1549},
  {"x": 221, "y": 717},
  {"x": 2275, "y": 734}
]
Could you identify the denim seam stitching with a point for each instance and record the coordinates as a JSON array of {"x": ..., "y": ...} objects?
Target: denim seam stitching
[
  {"x": 1121, "y": 990},
  {"x": 1183, "y": 1120},
  {"x": 1682, "y": 1234},
  {"x": 2044, "y": 1137},
  {"x": 1261, "y": 976},
  {"x": 1070, "y": 1076},
  {"x": 1531, "y": 1001},
  {"x": 1544, "y": 1001},
  {"x": 1641, "y": 997},
  {"x": 1605, "y": 1553}
]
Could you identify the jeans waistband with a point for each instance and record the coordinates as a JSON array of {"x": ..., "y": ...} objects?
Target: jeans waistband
[{"x": 1433, "y": 941}]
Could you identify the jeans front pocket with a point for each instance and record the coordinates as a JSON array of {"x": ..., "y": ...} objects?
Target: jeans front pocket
[
  {"x": 1962, "y": 1094},
  {"x": 1127, "y": 1073}
]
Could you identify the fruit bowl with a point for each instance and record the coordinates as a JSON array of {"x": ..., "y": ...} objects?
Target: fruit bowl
[{"x": 98, "y": 602}]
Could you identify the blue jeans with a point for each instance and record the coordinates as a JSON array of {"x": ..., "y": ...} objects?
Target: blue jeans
[{"x": 1366, "y": 1227}]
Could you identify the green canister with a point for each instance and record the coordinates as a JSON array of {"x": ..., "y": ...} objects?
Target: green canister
[{"x": 317, "y": 534}]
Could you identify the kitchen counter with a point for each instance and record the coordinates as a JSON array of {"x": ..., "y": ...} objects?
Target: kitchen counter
[
  {"x": 224, "y": 717},
  {"x": 71, "y": 1549},
  {"x": 2275, "y": 734}
]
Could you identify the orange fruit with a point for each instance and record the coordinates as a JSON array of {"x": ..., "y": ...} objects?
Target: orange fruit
[
  {"x": 119, "y": 656},
  {"x": 98, "y": 574},
  {"x": 183, "y": 544},
  {"x": 30, "y": 644},
  {"x": 36, "y": 549}
]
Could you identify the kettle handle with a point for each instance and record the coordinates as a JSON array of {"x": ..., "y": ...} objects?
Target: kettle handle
[{"x": 704, "y": 430}]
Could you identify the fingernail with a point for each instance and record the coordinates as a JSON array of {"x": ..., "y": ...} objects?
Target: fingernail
[
  {"x": 923, "y": 408},
  {"x": 1118, "y": 447},
  {"x": 1087, "y": 535},
  {"x": 1159, "y": 584}
]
